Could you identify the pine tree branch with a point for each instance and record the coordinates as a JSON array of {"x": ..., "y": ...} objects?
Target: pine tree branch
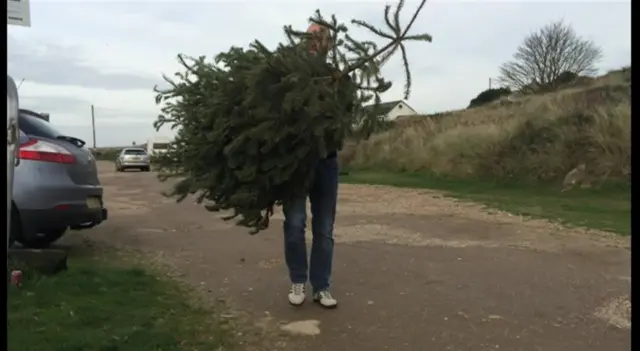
[
  {"x": 398, "y": 39},
  {"x": 252, "y": 125}
]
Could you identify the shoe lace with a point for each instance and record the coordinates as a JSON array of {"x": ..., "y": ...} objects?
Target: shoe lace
[
  {"x": 297, "y": 289},
  {"x": 325, "y": 295}
]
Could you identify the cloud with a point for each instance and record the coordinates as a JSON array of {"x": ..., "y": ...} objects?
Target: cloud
[
  {"x": 54, "y": 104},
  {"x": 50, "y": 63},
  {"x": 109, "y": 134},
  {"x": 111, "y": 53}
]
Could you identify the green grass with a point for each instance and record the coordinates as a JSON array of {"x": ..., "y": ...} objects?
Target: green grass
[
  {"x": 607, "y": 208},
  {"x": 101, "y": 307}
]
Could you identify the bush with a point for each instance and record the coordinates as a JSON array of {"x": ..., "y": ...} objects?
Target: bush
[
  {"x": 564, "y": 78},
  {"x": 105, "y": 154},
  {"x": 488, "y": 96}
]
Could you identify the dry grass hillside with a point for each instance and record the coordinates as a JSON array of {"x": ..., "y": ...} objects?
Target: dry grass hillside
[
  {"x": 533, "y": 138},
  {"x": 107, "y": 153}
]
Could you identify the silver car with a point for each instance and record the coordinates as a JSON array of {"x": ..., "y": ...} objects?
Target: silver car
[
  {"x": 56, "y": 185},
  {"x": 133, "y": 157}
]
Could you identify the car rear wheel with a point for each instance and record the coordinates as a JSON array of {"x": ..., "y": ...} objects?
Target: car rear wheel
[
  {"x": 43, "y": 239},
  {"x": 146, "y": 169}
]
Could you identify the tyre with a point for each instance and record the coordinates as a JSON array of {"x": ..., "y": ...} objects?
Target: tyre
[
  {"x": 12, "y": 240},
  {"x": 16, "y": 227},
  {"x": 41, "y": 240},
  {"x": 146, "y": 169}
]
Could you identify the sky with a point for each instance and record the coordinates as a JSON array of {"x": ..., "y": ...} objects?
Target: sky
[{"x": 110, "y": 54}]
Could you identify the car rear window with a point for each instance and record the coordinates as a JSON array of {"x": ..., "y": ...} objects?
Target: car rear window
[
  {"x": 137, "y": 152},
  {"x": 31, "y": 124}
]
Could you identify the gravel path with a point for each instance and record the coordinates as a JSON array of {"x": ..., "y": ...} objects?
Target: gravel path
[{"x": 413, "y": 271}]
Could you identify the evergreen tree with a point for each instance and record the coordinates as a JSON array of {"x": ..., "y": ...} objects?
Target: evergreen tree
[{"x": 252, "y": 124}]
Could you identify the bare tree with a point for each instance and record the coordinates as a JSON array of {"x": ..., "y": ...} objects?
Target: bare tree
[{"x": 544, "y": 55}]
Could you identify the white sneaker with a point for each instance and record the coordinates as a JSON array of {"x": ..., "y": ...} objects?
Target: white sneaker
[
  {"x": 296, "y": 294},
  {"x": 325, "y": 299}
]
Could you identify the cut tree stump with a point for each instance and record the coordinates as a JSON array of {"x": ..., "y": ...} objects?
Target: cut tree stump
[{"x": 46, "y": 262}]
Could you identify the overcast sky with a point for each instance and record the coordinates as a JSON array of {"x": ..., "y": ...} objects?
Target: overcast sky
[{"x": 112, "y": 53}]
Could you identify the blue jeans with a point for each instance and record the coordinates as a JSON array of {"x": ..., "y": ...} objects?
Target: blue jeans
[{"x": 323, "y": 196}]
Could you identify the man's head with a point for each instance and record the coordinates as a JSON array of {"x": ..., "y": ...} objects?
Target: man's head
[{"x": 321, "y": 39}]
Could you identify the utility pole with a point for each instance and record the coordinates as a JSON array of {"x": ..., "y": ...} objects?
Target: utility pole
[
  {"x": 93, "y": 126},
  {"x": 489, "y": 83}
]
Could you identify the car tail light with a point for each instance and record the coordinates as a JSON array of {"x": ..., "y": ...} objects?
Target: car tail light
[{"x": 39, "y": 150}]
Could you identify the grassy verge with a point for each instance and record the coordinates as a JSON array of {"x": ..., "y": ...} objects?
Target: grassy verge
[
  {"x": 98, "y": 306},
  {"x": 607, "y": 208}
]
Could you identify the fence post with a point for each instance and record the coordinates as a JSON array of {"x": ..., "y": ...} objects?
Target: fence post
[
  {"x": 13, "y": 134},
  {"x": 18, "y": 14}
]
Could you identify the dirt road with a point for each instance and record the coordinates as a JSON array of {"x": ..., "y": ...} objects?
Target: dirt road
[{"x": 413, "y": 271}]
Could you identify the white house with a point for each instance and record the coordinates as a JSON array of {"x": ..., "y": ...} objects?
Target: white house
[{"x": 394, "y": 109}]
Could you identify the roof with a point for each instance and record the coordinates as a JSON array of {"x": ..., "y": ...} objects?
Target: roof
[
  {"x": 35, "y": 114},
  {"x": 159, "y": 139},
  {"x": 386, "y": 107}
]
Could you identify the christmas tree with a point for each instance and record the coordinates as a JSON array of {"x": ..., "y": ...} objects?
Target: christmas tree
[{"x": 251, "y": 125}]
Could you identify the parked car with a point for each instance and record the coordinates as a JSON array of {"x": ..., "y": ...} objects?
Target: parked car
[
  {"x": 56, "y": 185},
  {"x": 133, "y": 157}
]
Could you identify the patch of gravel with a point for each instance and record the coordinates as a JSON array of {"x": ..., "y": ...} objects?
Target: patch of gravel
[
  {"x": 394, "y": 235},
  {"x": 384, "y": 213},
  {"x": 388, "y": 201},
  {"x": 616, "y": 312}
]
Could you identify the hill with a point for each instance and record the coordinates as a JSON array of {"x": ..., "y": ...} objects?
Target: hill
[{"x": 535, "y": 138}]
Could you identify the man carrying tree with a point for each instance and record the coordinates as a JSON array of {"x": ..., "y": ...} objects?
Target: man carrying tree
[
  {"x": 323, "y": 196},
  {"x": 217, "y": 151}
]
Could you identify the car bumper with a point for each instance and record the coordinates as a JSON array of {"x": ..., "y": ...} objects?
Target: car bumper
[
  {"x": 76, "y": 217},
  {"x": 87, "y": 225},
  {"x": 135, "y": 164}
]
